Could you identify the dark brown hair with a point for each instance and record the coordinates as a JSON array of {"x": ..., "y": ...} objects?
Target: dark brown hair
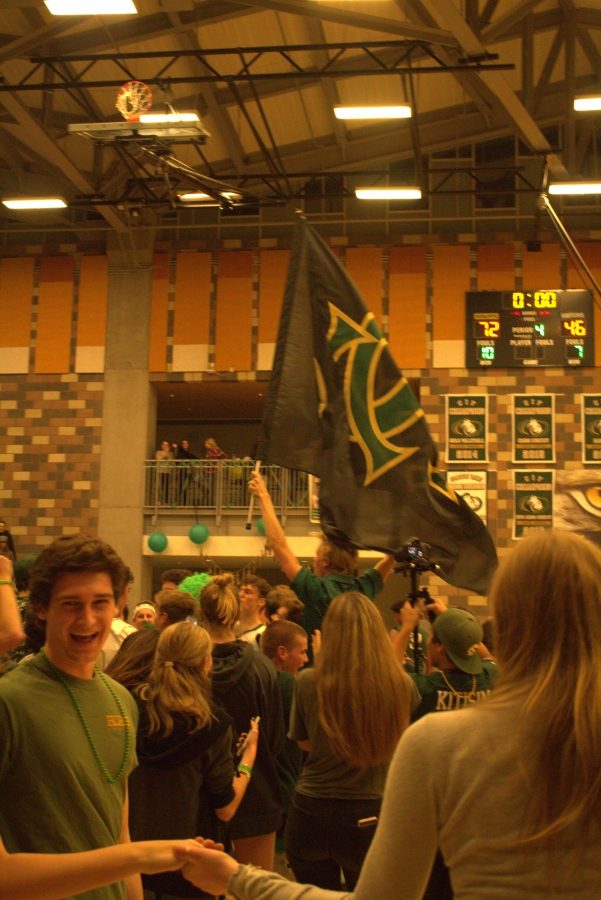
[{"x": 74, "y": 553}]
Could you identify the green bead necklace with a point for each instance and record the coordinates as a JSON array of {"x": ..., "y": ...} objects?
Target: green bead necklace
[{"x": 112, "y": 779}]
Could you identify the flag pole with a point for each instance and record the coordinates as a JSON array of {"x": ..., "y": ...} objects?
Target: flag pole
[{"x": 251, "y": 503}]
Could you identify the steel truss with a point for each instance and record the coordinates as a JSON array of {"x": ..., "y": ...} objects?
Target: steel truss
[{"x": 215, "y": 66}]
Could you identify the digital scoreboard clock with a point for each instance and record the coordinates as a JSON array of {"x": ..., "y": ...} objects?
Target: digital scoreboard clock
[{"x": 509, "y": 329}]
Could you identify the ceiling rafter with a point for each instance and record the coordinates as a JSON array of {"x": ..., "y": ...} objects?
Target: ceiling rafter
[
  {"x": 55, "y": 156},
  {"x": 219, "y": 114},
  {"x": 524, "y": 124},
  {"x": 363, "y": 21}
]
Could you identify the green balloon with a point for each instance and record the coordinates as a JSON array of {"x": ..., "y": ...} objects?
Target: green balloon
[
  {"x": 157, "y": 541},
  {"x": 198, "y": 534}
]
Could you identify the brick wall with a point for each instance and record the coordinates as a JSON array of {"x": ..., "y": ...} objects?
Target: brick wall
[{"x": 50, "y": 428}]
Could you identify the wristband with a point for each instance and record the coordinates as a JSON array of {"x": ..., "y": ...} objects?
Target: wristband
[
  {"x": 4, "y": 581},
  {"x": 244, "y": 769}
]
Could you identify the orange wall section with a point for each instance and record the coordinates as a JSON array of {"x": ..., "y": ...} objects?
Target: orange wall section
[
  {"x": 364, "y": 265},
  {"x": 407, "y": 307},
  {"x": 55, "y": 306},
  {"x": 93, "y": 294},
  {"x": 591, "y": 254},
  {"x": 496, "y": 267},
  {"x": 192, "y": 298},
  {"x": 273, "y": 269},
  {"x": 16, "y": 289},
  {"x": 450, "y": 281},
  {"x": 234, "y": 310},
  {"x": 158, "y": 315}
]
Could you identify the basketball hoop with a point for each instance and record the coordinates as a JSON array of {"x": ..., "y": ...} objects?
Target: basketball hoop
[{"x": 134, "y": 97}]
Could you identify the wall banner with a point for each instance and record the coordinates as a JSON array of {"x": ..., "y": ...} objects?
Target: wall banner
[
  {"x": 472, "y": 487},
  {"x": 467, "y": 428},
  {"x": 533, "y": 428},
  {"x": 591, "y": 428},
  {"x": 532, "y": 501}
]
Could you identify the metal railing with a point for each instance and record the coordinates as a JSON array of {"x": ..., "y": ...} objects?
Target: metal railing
[{"x": 218, "y": 485}]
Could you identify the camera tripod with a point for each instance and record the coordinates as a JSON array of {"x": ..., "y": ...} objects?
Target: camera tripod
[{"x": 414, "y": 569}]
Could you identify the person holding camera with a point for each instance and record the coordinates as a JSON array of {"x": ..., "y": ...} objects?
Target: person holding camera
[{"x": 460, "y": 669}]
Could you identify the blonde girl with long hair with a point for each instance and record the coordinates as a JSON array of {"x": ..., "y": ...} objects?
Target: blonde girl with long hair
[
  {"x": 186, "y": 782},
  {"x": 509, "y": 789},
  {"x": 349, "y": 714},
  {"x": 245, "y": 684}
]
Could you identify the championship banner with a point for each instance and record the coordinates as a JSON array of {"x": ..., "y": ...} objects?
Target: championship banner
[
  {"x": 472, "y": 487},
  {"x": 533, "y": 428},
  {"x": 591, "y": 428},
  {"x": 467, "y": 428},
  {"x": 532, "y": 501}
]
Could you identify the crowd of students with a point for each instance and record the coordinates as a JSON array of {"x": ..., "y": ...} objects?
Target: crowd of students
[{"x": 215, "y": 728}]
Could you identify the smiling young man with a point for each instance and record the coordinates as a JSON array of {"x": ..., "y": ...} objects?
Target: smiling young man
[{"x": 68, "y": 731}]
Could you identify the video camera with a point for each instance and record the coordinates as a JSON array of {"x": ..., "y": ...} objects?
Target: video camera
[{"x": 414, "y": 553}]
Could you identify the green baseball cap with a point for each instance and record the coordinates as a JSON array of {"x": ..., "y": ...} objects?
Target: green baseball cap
[{"x": 460, "y": 633}]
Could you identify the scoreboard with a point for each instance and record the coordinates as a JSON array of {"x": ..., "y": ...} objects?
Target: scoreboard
[{"x": 509, "y": 329}]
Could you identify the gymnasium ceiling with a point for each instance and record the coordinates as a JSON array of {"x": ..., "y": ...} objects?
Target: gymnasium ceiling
[{"x": 473, "y": 70}]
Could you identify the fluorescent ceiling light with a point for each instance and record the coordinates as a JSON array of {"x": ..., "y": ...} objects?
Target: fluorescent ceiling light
[
  {"x": 35, "y": 203},
  {"x": 200, "y": 197},
  {"x": 373, "y": 112},
  {"x": 405, "y": 193},
  {"x": 91, "y": 7},
  {"x": 585, "y": 104},
  {"x": 159, "y": 118},
  {"x": 575, "y": 187}
]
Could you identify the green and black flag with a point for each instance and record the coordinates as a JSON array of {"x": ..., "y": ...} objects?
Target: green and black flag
[{"x": 339, "y": 408}]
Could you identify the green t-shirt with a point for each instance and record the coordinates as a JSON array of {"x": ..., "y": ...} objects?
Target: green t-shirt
[
  {"x": 324, "y": 774},
  {"x": 318, "y": 591},
  {"x": 53, "y": 796},
  {"x": 452, "y": 689}
]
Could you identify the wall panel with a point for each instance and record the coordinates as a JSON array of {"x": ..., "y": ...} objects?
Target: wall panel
[
  {"x": 407, "y": 306},
  {"x": 193, "y": 275},
  {"x": 91, "y": 314},
  {"x": 16, "y": 289},
  {"x": 55, "y": 315},
  {"x": 233, "y": 325}
]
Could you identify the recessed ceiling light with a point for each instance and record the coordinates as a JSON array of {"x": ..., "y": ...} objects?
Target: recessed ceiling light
[
  {"x": 586, "y": 104},
  {"x": 373, "y": 112},
  {"x": 35, "y": 203},
  {"x": 390, "y": 193},
  {"x": 575, "y": 187},
  {"x": 91, "y": 7}
]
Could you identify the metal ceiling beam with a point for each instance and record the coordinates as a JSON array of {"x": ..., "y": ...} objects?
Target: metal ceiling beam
[
  {"x": 525, "y": 125},
  {"x": 337, "y": 65},
  {"x": 363, "y": 21},
  {"x": 48, "y": 148},
  {"x": 508, "y": 21}
]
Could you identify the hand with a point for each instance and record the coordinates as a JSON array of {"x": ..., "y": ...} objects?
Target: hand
[
  {"x": 208, "y": 869},
  {"x": 257, "y": 485},
  {"x": 438, "y": 606},
  {"x": 249, "y": 740},
  {"x": 409, "y": 615},
  {"x": 316, "y": 643},
  {"x": 161, "y": 856}
]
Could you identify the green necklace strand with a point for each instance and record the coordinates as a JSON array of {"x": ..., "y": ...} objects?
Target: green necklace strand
[{"x": 112, "y": 779}]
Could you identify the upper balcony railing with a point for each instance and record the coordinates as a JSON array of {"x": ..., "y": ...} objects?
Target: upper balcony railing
[{"x": 219, "y": 486}]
